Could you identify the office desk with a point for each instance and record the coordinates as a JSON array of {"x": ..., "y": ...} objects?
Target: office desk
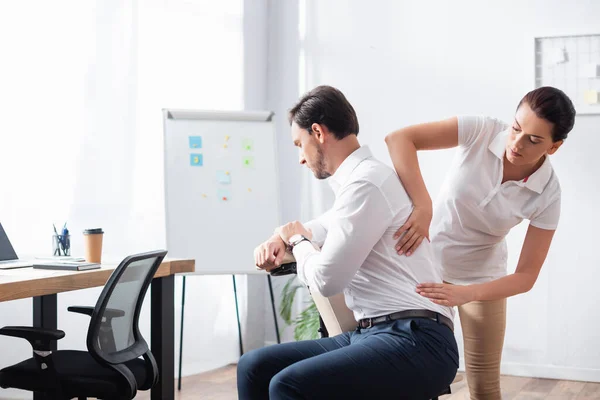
[{"x": 44, "y": 285}]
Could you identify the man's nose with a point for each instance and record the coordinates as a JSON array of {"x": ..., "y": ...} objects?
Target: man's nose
[{"x": 301, "y": 159}]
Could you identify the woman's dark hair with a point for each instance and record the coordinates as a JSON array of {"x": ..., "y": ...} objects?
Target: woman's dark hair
[
  {"x": 554, "y": 106},
  {"x": 328, "y": 106}
]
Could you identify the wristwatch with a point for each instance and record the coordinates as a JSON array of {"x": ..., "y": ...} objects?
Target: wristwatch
[{"x": 297, "y": 239}]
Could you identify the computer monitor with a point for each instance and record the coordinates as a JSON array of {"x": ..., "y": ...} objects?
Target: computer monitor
[{"x": 7, "y": 253}]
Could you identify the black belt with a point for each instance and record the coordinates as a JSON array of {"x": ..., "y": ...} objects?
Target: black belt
[{"x": 369, "y": 322}]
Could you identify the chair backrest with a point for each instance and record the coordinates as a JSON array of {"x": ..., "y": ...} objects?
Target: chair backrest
[{"x": 114, "y": 336}]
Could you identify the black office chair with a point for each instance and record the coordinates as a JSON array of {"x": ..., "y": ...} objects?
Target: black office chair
[{"x": 112, "y": 367}]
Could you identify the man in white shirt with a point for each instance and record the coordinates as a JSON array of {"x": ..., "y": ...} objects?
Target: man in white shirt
[{"x": 404, "y": 346}]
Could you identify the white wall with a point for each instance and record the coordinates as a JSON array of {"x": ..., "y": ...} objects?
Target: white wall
[
  {"x": 412, "y": 61},
  {"x": 81, "y": 141}
]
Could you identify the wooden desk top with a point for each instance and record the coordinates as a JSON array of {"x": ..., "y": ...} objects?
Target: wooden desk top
[{"x": 22, "y": 283}]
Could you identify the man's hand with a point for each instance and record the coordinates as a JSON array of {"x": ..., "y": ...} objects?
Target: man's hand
[
  {"x": 270, "y": 253},
  {"x": 293, "y": 228}
]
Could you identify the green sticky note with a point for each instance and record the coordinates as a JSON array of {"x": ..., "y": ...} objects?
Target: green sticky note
[
  {"x": 247, "y": 144},
  {"x": 224, "y": 195},
  {"x": 248, "y": 162}
]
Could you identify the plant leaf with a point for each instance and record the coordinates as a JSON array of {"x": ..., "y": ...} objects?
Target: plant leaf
[
  {"x": 307, "y": 323},
  {"x": 288, "y": 293}
]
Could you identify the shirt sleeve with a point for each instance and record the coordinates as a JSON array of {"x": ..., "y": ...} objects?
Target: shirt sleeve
[
  {"x": 358, "y": 220},
  {"x": 318, "y": 227},
  {"x": 548, "y": 217},
  {"x": 471, "y": 127}
]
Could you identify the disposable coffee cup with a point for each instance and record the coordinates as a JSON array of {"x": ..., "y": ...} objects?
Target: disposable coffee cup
[{"x": 92, "y": 239}]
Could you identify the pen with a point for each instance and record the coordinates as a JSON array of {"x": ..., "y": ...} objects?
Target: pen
[{"x": 57, "y": 250}]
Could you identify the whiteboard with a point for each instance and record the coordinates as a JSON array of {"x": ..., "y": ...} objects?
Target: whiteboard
[{"x": 221, "y": 187}]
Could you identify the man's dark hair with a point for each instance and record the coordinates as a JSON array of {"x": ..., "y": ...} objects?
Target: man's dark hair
[
  {"x": 554, "y": 106},
  {"x": 327, "y": 106}
]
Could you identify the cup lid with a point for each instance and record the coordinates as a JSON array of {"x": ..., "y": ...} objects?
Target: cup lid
[{"x": 93, "y": 231}]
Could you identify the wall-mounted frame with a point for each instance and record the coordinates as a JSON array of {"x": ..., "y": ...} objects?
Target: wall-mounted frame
[{"x": 572, "y": 64}]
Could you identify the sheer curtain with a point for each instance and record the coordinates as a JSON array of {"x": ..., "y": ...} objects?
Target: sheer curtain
[{"x": 83, "y": 84}]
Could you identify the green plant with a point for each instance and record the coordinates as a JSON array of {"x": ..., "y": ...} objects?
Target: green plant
[{"x": 307, "y": 323}]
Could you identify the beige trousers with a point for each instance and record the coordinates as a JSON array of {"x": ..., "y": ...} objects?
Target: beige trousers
[{"x": 483, "y": 325}]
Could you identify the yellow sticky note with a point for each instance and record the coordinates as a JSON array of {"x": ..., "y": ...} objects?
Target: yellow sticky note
[
  {"x": 226, "y": 172},
  {"x": 591, "y": 96},
  {"x": 249, "y": 189},
  {"x": 203, "y": 196},
  {"x": 226, "y": 138},
  {"x": 224, "y": 146}
]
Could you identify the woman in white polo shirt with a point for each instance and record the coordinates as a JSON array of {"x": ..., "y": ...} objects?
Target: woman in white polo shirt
[{"x": 501, "y": 175}]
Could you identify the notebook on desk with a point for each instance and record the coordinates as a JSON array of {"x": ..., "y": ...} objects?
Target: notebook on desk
[{"x": 66, "y": 265}]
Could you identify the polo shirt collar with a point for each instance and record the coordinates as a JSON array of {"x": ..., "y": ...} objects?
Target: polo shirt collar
[{"x": 536, "y": 181}]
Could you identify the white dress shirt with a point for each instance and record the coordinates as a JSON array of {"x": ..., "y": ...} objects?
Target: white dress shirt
[
  {"x": 357, "y": 255},
  {"x": 475, "y": 210}
]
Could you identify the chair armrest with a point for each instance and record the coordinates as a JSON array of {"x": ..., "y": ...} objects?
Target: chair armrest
[
  {"x": 40, "y": 338},
  {"x": 109, "y": 313}
]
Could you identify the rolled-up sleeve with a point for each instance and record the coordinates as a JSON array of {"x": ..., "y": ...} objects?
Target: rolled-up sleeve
[{"x": 357, "y": 221}]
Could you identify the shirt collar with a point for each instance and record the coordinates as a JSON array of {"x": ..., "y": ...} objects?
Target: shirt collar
[
  {"x": 341, "y": 175},
  {"x": 536, "y": 181}
]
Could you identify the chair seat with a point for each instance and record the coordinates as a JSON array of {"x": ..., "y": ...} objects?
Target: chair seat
[{"x": 78, "y": 374}]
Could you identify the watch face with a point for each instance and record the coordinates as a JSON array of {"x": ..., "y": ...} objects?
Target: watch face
[{"x": 295, "y": 238}]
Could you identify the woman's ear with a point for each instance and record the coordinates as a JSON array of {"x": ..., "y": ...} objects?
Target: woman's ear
[{"x": 555, "y": 147}]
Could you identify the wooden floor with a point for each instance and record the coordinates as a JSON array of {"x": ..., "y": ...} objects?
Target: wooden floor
[{"x": 221, "y": 385}]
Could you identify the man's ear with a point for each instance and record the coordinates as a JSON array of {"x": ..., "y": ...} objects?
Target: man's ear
[
  {"x": 319, "y": 131},
  {"x": 555, "y": 147}
]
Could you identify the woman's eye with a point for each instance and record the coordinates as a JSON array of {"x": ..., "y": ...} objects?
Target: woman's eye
[
  {"x": 516, "y": 129},
  {"x": 532, "y": 140}
]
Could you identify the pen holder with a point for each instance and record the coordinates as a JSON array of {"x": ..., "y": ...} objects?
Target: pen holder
[{"x": 61, "y": 245}]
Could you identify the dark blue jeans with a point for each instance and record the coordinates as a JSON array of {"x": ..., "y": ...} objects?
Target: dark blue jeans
[{"x": 403, "y": 359}]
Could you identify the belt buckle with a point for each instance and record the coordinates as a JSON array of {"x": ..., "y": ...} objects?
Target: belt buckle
[{"x": 370, "y": 320}]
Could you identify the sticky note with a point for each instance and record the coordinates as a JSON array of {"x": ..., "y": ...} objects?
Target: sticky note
[
  {"x": 591, "y": 70},
  {"x": 195, "y": 142},
  {"x": 247, "y": 144},
  {"x": 196, "y": 160},
  {"x": 249, "y": 189},
  {"x": 225, "y": 146},
  {"x": 226, "y": 137},
  {"x": 204, "y": 195},
  {"x": 223, "y": 195},
  {"x": 591, "y": 97},
  {"x": 558, "y": 55},
  {"x": 248, "y": 162},
  {"x": 224, "y": 177}
]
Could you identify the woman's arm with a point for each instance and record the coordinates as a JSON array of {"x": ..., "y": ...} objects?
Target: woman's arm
[
  {"x": 533, "y": 254},
  {"x": 402, "y": 146}
]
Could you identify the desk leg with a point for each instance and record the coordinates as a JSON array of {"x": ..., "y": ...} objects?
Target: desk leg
[
  {"x": 162, "y": 335},
  {"x": 45, "y": 316}
]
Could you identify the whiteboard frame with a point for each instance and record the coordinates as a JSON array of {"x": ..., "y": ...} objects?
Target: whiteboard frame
[{"x": 219, "y": 115}]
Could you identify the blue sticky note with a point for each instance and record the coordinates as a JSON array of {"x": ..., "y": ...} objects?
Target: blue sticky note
[
  {"x": 195, "y": 142},
  {"x": 224, "y": 177},
  {"x": 196, "y": 160},
  {"x": 223, "y": 195}
]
